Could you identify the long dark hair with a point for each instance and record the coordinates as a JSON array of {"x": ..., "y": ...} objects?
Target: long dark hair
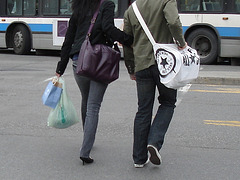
[{"x": 82, "y": 7}]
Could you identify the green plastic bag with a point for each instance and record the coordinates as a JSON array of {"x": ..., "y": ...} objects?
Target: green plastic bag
[{"x": 64, "y": 115}]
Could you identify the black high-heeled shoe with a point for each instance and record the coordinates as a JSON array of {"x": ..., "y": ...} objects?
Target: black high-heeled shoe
[{"x": 86, "y": 160}]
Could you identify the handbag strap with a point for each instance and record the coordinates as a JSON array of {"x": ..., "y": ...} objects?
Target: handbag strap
[
  {"x": 94, "y": 19},
  {"x": 142, "y": 22}
]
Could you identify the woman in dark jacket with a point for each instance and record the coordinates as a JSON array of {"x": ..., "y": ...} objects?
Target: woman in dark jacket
[{"x": 104, "y": 32}]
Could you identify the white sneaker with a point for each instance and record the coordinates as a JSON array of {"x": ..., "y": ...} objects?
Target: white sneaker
[
  {"x": 155, "y": 157},
  {"x": 141, "y": 165}
]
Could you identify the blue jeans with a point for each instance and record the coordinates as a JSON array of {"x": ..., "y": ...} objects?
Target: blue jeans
[
  {"x": 92, "y": 95},
  {"x": 147, "y": 131}
]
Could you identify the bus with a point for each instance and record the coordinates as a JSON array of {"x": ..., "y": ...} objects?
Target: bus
[
  {"x": 212, "y": 27},
  {"x": 40, "y": 24}
]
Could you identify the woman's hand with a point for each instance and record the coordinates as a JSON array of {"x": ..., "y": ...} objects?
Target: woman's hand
[
  {"x": 58, "y": 75},
  {"x": 132, "y": 77}
]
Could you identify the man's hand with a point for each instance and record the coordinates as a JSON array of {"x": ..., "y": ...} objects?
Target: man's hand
[{"x": 181, "y": 48}]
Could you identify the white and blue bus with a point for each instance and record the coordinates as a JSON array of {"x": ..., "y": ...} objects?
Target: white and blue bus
[
  {"x": 40, "y": 24},
  {"x": 212, "y": 27}
]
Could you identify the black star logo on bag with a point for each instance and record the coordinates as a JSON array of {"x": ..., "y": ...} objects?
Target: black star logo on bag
[{"x": 164, "y": 62}]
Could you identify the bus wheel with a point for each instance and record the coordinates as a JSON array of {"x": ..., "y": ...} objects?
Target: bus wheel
[
  {"x": 205, "y": 42},
  {"x": 21, "y": 40}
]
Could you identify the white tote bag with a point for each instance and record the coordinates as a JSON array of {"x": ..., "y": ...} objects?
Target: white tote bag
[{"x": 177, "y": 67}]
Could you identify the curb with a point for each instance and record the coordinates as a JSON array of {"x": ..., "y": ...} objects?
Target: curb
[{"x": 216, "y": 81}]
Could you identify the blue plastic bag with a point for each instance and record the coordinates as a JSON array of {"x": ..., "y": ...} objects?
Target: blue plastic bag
[
  {"x": 65, "y": 114},
  {"x": 52, "y": 93}
]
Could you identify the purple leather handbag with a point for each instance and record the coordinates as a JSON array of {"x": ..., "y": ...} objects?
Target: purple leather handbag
[{"x": 98, "y": 62}]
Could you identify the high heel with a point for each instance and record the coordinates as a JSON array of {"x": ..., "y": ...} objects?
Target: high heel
[{"x": 86, "y": 160}]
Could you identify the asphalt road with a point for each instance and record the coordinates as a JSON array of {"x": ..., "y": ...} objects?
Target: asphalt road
[{"x": 202, "y": 142}]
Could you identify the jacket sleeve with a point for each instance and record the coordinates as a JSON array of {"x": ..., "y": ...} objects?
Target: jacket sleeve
[
  {"x": 108, "y": 27},
  {"x": 128, "y": 51},
  {"x": 171, "y": 14},
  {"x": 67, "y": 45}
]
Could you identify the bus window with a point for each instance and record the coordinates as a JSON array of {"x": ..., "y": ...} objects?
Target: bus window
[
  {"x": 65, "y": 7},
  {"x": 50, "y": 7},
  {"x": 116, "y": 7},
  {"x": 237, "y": 2},
  {"x": 14, "y": 7},
  {"x": 212, "y": 5},
  {"x": 29, "y": 8},
  {"x": 10, "y": 5},
  {"x": 191, "y": 5}
]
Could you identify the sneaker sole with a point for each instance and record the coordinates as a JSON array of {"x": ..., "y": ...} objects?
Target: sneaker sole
[
  {"x": 141, "y": 165},
  {"x": 155, "y": 157},
  {"x": 138, "y": 165}
]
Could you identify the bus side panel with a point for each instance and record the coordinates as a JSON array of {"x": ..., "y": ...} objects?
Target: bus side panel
[
  {"x": 44, "y": 41},
  {"x": 118, "y": 23},
  {"x": 230, "y": 48},
  {"x": 2, "y": 40},
  {"x": 3, "y": 29},
  {"x": 190, "y": 20}
]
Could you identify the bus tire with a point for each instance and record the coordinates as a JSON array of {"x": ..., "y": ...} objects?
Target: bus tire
[
  {"x": 205, "y": 42},
  {"x": 21, "y": 40}
]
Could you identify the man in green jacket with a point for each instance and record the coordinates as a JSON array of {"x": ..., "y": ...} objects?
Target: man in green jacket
[{"x": 162, "y": 19}]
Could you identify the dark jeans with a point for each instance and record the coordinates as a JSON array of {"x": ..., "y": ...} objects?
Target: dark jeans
[
  {"x": 92, "y": 95},
  {"x": 147, "y": 131}
]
